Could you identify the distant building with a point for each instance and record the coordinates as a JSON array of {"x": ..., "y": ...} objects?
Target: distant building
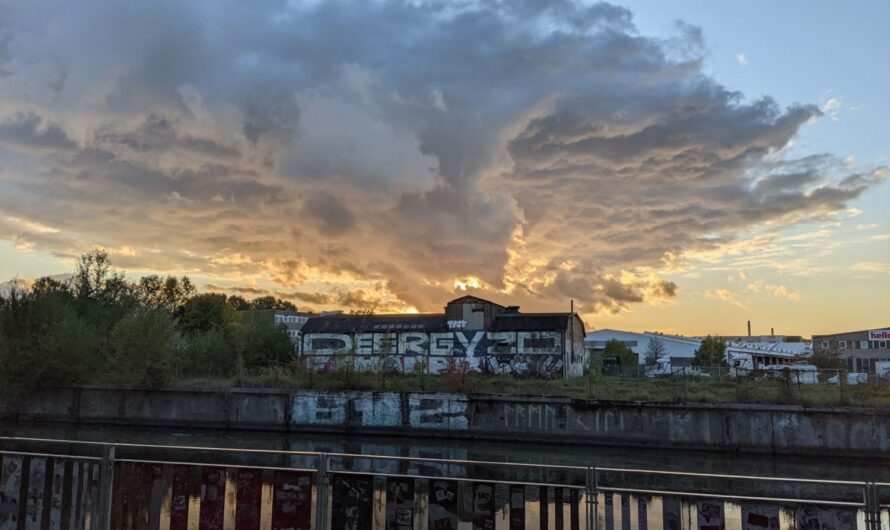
[
  {"x": 486, "y": 336},
  {"x": 860, "y": 349},
  {"x": 681, "y": 350},
  {"x": 761, "y": 339}
]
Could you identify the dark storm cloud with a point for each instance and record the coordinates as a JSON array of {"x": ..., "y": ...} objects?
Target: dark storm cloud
[
  {"x": 543, "y": 147},
  {"x": 30, "y": 131},
  {"x": 328, "y": 213}
]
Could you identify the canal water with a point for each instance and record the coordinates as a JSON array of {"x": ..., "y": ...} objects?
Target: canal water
[{"x": 838, "y": 467}]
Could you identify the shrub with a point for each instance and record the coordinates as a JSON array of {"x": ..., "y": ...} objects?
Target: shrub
[
  {"x": 458, "y": 375},
  {"x": 142, "y": 345}
]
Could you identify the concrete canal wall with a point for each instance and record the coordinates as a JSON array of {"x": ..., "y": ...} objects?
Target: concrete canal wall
[{"x": 738, "y": 428}]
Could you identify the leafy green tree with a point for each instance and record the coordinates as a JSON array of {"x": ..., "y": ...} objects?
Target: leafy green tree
[
  {"x": 626, "y": 356},
  {"x": 168, "y": 294},
  {"x": 239, "y": 303},
  {"x": 47, "y": 285},
  {"x": 262, "y": 342},
  {"x": 711, "y": 352},
  {"x": 207, "y": 353},
  {"x": 95, "y": 280},
  {"x": 828, "y": 359},
  {"x": 206, "y": 312},
  {"x": 270, "y": 302},
  {"x": 48, "y": 343},
  {"x": 143, "y": 347}
]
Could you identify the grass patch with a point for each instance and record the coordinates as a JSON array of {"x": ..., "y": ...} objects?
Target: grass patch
[{"x": 669, "y": 389}]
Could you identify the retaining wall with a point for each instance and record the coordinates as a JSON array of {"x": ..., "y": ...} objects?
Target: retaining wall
[{"x": 741, "y": 428}]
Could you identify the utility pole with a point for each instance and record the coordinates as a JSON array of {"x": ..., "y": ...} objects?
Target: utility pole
[{"x": 565, "y": 371}]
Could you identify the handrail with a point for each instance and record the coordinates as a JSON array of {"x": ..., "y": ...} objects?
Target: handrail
[
  {"x": 737, "y": 477},
  {"x": 318, "y": 454},
  {"x": 728, "y": 496},
  {"x": 50, "y": 455}
]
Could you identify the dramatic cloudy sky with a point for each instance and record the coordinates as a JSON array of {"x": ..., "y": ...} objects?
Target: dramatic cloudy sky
[{"x": 683, "y": 170}]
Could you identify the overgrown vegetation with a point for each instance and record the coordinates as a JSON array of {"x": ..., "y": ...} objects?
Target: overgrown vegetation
[
  {"x": 711, "y": 352},
  {"x": 662, "y": 389},
  {"x": 98, "y": 327}
]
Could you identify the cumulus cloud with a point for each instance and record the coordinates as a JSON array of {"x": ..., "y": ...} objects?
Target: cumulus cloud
[
  {"x": 381, "y": 151},
  {"x": 872, "y": 266},
  {"x": 726, "y": 295}
]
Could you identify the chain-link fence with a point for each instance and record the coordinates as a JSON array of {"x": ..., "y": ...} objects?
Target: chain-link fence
[{"x": 791, "y": 383}]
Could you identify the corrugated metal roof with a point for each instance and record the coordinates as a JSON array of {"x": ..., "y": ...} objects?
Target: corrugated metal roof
[
  {"x": 531, "y": 322},
  {"x": 359, "y": 323},
  {"x": 431, "y": 322}
]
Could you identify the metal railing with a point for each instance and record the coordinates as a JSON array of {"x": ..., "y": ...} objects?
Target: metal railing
[{"x": 94, "y": 485}]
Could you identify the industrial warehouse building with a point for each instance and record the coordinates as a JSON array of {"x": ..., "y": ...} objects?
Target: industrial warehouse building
[
  {"x": 471, "y": 333},
  {"x": 861, "y": 350},
  {"x": 681, "y": 350}
]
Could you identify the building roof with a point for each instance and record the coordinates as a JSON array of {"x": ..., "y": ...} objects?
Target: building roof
[
  {"x": 594, "y": 335},
  {"x": 432, "y": 322},
  {"x": 277, "y": 312},
  {"x": 849, "y": 332},
  {"x": 530, "y": 321},
  {"x": 358, "y": 323},
  {"x": 475, "y": 299}
]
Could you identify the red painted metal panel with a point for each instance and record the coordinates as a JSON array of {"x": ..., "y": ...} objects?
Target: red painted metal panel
[
  {"x": 292, "y": 501},
  {"x": 213, "y": 498},
  {"x": 249, "y": 485}
]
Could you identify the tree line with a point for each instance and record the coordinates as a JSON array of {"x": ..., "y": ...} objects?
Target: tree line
[{"x": 100, "y": 327}]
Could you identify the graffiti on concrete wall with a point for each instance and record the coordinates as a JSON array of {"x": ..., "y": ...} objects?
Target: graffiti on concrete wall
[
  {"x": 535, "y": 353},
  {"x": 381, "y": 409}
]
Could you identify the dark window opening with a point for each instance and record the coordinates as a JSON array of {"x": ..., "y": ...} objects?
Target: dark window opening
[{"x": 539, "y": 343}]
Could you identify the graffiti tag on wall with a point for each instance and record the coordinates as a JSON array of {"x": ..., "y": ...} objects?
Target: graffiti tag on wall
[{"x": 538, "y": 353}]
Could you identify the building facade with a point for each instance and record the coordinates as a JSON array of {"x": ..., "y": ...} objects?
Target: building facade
[
  {"x": 861, "y": 350},
  {"x": 681, "y": 350},
  {"x": 471, "y": 334}
]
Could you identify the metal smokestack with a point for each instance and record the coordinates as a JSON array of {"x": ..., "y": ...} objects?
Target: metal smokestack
[
  {"x": 749, "y": 328},
  {"x": 772, "y": 332}
]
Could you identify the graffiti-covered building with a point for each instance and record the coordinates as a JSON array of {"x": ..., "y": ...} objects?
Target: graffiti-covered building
[{"x": 471, "y": 333}]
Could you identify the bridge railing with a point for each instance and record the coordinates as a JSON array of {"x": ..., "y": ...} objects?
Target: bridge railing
[{"x": 64, "y": 484}]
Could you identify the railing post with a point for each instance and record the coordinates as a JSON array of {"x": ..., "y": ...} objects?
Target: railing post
[
  {"x": 872, "y": 507},
  {"x": 106, "y": 485},
  {"x": 321, "y": 488},
  {"x": 592, "y": 499}
]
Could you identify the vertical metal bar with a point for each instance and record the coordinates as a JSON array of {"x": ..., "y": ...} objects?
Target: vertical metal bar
[
  {"x": 591, "y": 497},
  {"x": 872, "y": 507},
  {"x": 321, "y": 498},
  {"x": 106, "y": 485}
]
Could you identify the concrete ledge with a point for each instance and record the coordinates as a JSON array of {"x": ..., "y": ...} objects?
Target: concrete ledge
[{"x": 778, "y": 429}]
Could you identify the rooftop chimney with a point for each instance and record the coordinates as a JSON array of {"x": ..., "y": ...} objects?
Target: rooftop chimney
[{"x": 749, "y": 328}]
